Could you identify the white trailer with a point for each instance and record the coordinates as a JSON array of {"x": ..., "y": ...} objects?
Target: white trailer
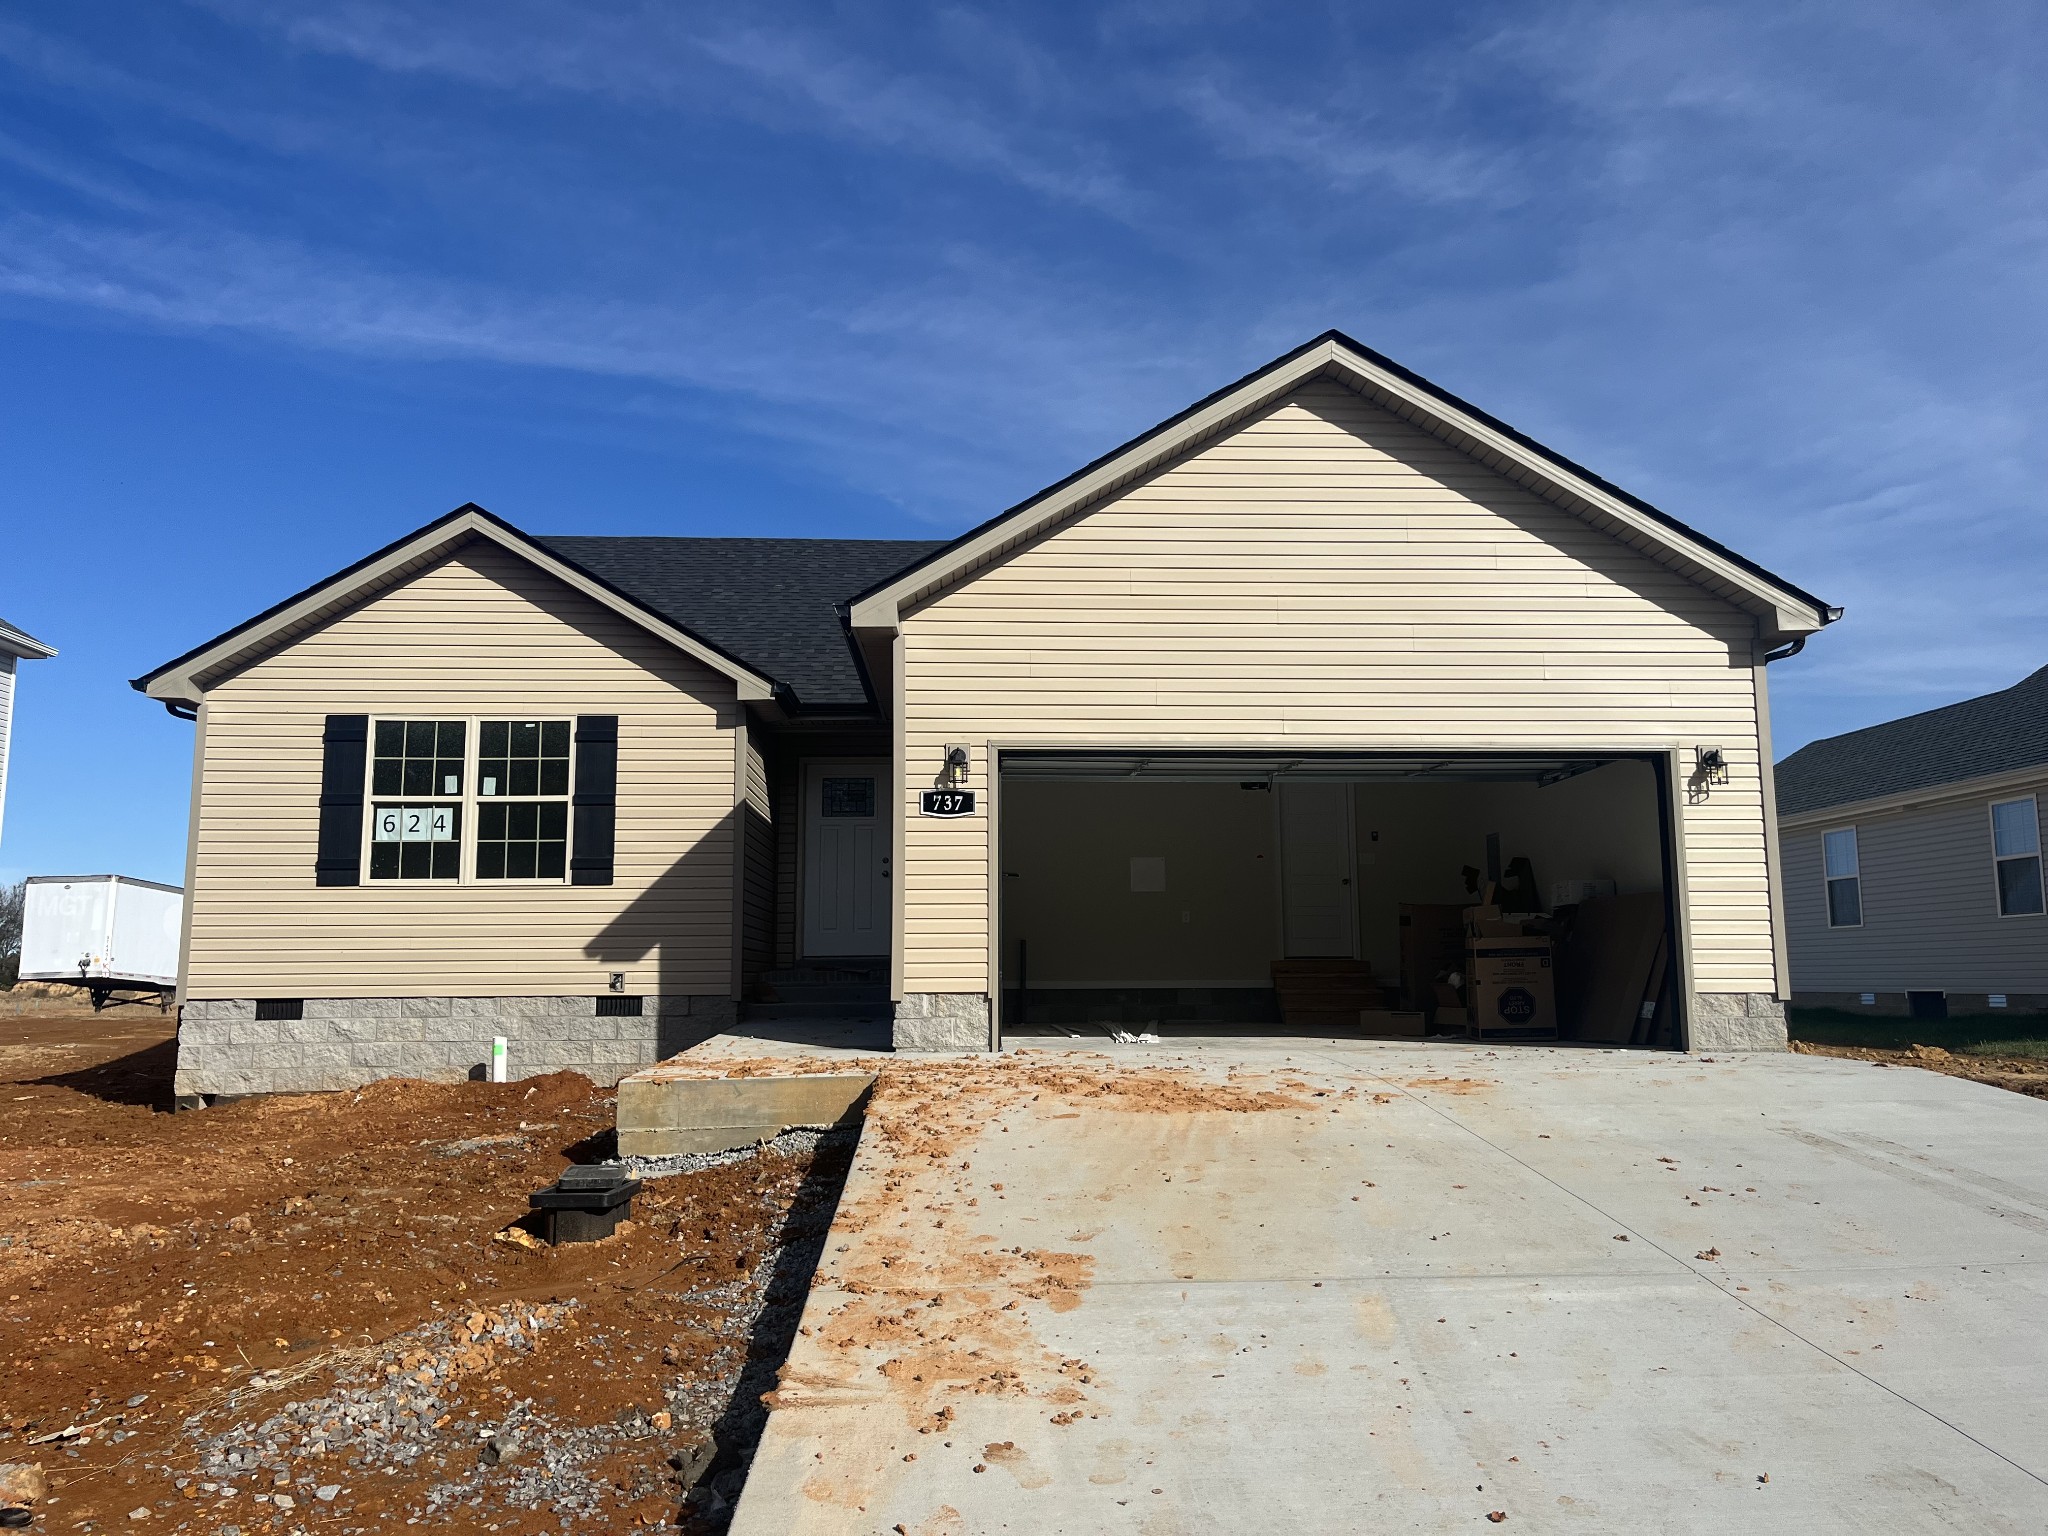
[{"x": 106, "y": 933}]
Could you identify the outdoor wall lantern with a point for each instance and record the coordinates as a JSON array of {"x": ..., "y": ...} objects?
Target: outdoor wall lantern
[
  {"x": 956, "y": 766},
  {"x": 1709, "y": 767}
]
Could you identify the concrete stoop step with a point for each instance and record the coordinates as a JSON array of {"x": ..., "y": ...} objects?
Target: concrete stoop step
[
  {"x": 854, "y": 990},
  {"x": 664, "y": 1115}
]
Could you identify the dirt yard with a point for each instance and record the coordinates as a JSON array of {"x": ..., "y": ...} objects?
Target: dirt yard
[
  {"x": 2020, "y": 1074},
  {"x": 297, "y": 1314}
]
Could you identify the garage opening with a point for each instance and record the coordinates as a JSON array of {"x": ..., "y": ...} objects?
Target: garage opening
[{"x": 1469, "y": 895}]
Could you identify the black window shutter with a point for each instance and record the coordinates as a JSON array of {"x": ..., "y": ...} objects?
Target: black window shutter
[
  {"x": 596, "y": 800},
  {"x": 345, "y": 747}
]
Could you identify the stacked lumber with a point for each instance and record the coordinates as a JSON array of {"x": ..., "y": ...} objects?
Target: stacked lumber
[
  {"x": 1322, "y": 994},
  {"x": 1615, "y": 964}
]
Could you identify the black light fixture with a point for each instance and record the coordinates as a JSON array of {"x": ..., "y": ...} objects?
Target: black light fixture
[{"x": 956, "y": 766}]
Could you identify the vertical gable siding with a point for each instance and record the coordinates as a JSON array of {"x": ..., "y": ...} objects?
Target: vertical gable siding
[
  {"x": 757, "y": 905},
  {"x": 1328, "y": 575},
  {"x": 482, "y": 633},
  {"x": 1930, "y": 906}
]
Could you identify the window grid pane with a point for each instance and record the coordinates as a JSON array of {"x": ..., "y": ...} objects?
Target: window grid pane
[
  {"x": 417, "y": 757},
  {"x": 1839, "y": 850},
  {"x": 1845, "y": 903},
  {"x": 2015, "y": 828},
  {"x": 522, "y": 840},
  {"x": 416, "y": 842},
  {"x": 522, "y": 757},
  {"x": 2019, "y": 887}
]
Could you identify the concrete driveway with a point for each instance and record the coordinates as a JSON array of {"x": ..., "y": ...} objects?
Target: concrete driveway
[{"x": 1365, "y": 1287}]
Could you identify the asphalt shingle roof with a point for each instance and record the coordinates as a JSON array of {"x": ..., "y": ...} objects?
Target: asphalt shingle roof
[
  {"x": 772, "y": 603},
  {"x": 1997, "y": 733}
]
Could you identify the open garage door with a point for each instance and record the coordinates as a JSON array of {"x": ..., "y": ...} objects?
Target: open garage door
[{"x": 1477, "y": 895}]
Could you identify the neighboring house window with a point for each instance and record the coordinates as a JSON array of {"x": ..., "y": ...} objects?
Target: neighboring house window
[
  {"x": 2016, "y": 856},
  {"x": 428, "y": 792},
  {"x": 522, "y": 816},
  {"x": 1845, "y": 881},
  {"x": 416, "y": 799}
]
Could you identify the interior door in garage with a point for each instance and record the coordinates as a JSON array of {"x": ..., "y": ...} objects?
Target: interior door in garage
[{"x": 1318, "y": 899}]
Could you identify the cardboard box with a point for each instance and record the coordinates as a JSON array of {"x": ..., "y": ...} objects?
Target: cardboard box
[
  {"x": 1488, "y": 922},
  {"x": 1521, "y": 958},
  {"x": 1446, "y": 996},
  {"x": 1432, "y": 942},
  {"x": 1523, "y": 1004},
  {"x": 1392, "y": 1023}
]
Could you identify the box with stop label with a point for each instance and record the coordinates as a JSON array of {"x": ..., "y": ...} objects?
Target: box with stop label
[{"x": 1513, "y": 987}]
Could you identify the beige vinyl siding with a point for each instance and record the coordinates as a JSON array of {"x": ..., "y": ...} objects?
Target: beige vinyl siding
[
  {"x": 757, "y": 897},
  {"x": 1930, "y": 905},
  {"x": 1326, "y": 574},
  {"x": 481, "y": 633},
  {"x": 788, "y": 806}
]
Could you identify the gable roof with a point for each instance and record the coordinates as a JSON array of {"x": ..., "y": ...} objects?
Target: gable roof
[
  {"x": 1997, "y": 733},
  {"x": 1787, "y": 611},
  {"x": 772, "y": 602},
  {"x": 184, "y": 679},
  {"x": 19, "y": 643}
]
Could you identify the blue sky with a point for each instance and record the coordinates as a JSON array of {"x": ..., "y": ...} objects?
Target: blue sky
[{"x": 275, "y": 289}]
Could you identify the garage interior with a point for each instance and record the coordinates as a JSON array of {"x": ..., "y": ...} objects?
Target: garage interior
[{"x": 1470, "y": 895}]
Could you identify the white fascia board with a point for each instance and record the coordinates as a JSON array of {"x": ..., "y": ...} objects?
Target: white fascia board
[
  {"x": 182, "y": 685},
  {"x": 24, "y": 647},
  {"x": 1784, "y": 613}
]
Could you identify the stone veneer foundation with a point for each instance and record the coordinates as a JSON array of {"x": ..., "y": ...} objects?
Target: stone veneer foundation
[
  {"x": 344, "y": 1042},
  {"x": 941, "y": 1021},
  {"x": 1737, "y": 1021}
]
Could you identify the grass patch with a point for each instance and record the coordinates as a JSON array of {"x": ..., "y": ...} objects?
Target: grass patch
[{"x": 1970, "y": 1034}]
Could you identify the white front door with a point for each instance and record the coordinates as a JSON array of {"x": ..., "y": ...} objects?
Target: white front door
[
  {"x": 846, "y": 858},
  {"x": 1316, "y": 869}
]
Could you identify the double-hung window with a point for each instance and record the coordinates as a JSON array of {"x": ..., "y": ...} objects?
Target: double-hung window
[
  {"x": 2016, "y": 857},
  {"x": 469, "y": 800},
  {"x": 522, "y": 785},
  {"x": 1844, "y": 878},
  {"x": 416, "y": 777}
]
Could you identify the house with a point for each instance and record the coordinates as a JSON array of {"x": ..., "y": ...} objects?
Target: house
[
  {"x": 14, "y": 647},
  {"x": 1913, "y": 860},
  {"x": 1236, "y": 691}
]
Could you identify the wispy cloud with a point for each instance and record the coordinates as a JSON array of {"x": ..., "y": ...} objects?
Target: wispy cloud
[
  {"x": 1342, "y": 148},
  {"x": 1777, "y": 267}
]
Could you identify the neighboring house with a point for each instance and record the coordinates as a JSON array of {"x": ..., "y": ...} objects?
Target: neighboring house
[
  {"x": 1232, "y": 693},
  {"x": 1912, "y": 856},
  {"x": 14, "y": 647}
]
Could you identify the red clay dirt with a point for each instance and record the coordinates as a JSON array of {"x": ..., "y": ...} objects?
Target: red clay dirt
[
  {"x": 2017, "y": 1074},
  {"x": 316, "y": 1281}
]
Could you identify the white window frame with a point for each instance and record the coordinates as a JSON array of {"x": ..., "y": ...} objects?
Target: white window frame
[
  {"x": 470, "y": 800},
  {"x": 1997, "y": 858},
  {"x": 1827, "y": 905}
]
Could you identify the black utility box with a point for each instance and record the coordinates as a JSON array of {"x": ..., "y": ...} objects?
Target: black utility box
[{"x": 585, "y": 1203}]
